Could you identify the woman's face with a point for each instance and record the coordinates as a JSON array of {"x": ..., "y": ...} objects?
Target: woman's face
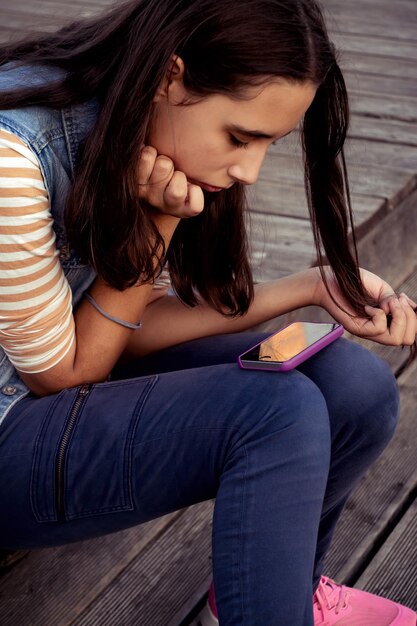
[{"x": 218, "y": 140}]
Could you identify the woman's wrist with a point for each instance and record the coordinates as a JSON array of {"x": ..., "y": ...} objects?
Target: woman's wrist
[
  {"x": 327, "y": 294},
  {"x": 165, "y": 223},
  {"x": 318, "y": 286},
  {"x": 289, "y": 293}
]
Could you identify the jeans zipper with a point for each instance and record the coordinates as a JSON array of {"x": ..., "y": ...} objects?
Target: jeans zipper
[{"x": 62, "y": 451}]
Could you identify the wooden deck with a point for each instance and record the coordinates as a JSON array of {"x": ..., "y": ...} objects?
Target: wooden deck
[{"x": 156, "y": 574}]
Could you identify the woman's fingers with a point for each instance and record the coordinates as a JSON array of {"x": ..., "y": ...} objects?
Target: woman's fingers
[
  {"x": 176, "y": 191},
  {"x": 395, "y": 324},
  {"x": 392, "y": 321},
  {"x": 410, "y": 302},
  {"x": 195, "y": 200},
  {"x": 411, "y": 326},
  {"x": 378, "y": 322},
  {"x": 398, "y": 325},
  {"x": 146, "y": 164},
  {"x": 165, "y": 188},
  {"x": 183, "y": 198},
  {"x": 163, "y": 171}
]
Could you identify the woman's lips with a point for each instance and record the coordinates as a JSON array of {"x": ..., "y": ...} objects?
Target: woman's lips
[
  {"x": 210, "y": 187},
  {"x": 206, "y": 187}
]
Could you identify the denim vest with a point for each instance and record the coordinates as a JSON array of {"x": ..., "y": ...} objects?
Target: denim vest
[{"x": 55, "y": 137}]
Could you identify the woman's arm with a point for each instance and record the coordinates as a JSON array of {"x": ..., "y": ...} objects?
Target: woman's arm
[{"x": 167, "y": 321}]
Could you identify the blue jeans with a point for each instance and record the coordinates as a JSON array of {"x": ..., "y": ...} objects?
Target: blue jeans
[{"x": 280, "y": 452}]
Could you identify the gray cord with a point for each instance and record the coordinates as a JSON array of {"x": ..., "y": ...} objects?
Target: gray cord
[{"x": 111, "y": 317}]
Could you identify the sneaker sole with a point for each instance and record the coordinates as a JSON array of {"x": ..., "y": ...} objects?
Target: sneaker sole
[{"x": 205, "y": 618}]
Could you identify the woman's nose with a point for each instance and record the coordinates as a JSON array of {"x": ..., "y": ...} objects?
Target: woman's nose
[{"x": 246, "y": 170}]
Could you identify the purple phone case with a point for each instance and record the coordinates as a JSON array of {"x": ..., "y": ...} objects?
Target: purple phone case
[{"x": 298, "y": 358}]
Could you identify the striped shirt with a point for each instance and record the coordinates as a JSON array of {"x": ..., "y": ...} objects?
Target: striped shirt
[{"x": 36, "y": 323}]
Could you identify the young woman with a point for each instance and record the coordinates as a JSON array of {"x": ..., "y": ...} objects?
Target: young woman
[{"x": 126, "y": 144}]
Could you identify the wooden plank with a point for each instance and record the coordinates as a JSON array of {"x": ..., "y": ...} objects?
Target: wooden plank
[
  {"x": 289, "y": 199},
  {"x": 26, "y": 23},
  {"x": 390, "y": 248},
  {"x": 381, "y": 181},
  {"x": 266, "y": 270},
  {"x": 49, "y": 9},
  {"x": 43, "y": 6},
  {"x": 354, "y": 23},
  {"x": 279, "y": 245},
  {"x": 357, "y": 151},
  {"x": 8, "y": 560},
  {"x": 383, "y": 4},
  {"x": 46, "y": 15},
  {"x": 281, "y": 229},
  {"x": 6, "y": 35},
  {"x": 378, "y": 65},
  {"x": 143, "y": 593},
  {"x": 381, "y": 46},
  {"x": 385, "y": 19},
  {"x": 401, "y": 108},
  {"x": 279, "y": 199},
  {"x": 93, "y": 4},
  {"x": 55, "y": 585},
  {"x": 369, "y": 5},
  {"x": 384, "y": 85},
  {"x": 392, "y": 573},
  {"x": 47, "y": 12},
  {"x": 363, "y": 152},
  {"x": 392, "y": 131}
]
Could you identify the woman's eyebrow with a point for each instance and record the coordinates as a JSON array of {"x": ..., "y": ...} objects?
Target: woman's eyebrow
[{"x": 258, "y": 134}]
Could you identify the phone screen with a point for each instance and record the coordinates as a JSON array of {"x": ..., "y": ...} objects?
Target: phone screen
[{"x": 289, "y": 342}]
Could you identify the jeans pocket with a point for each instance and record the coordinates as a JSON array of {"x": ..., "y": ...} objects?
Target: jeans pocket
[{"x": 83, "y": 458}]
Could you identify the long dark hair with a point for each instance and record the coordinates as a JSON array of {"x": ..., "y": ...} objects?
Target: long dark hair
[{"x": 121, "y": 58}]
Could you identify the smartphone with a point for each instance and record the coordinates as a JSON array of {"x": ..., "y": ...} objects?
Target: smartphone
[{"x": 290, "y": 346}]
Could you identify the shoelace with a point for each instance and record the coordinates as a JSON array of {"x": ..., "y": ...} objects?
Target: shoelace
[{"x": 325, "y": 595}]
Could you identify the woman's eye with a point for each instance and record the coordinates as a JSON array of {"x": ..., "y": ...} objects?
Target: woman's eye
[{"x": 239, "y": 144}]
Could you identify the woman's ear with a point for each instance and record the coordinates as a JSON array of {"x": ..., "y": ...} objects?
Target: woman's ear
[{"x": 172, "y": 87}]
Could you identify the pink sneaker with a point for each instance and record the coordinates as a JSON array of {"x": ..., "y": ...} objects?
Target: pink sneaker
[
  {"x": 344, "y": 606},
  {"x": 337, "y": 605}
]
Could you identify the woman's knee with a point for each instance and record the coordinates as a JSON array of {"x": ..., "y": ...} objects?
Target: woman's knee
[
  {"x": 287, "y": 403},
  {"x": 360, "y": 390}
]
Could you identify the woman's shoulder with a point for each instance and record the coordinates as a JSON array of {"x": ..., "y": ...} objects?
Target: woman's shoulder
[
  {"x": 35, "y": 125},
  {"x": 13, "y": 75}
]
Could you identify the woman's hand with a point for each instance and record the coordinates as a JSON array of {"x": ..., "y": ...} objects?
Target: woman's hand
[
  {"x": 392, "y": 322},
  {"x": 165, "y": 188}
]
